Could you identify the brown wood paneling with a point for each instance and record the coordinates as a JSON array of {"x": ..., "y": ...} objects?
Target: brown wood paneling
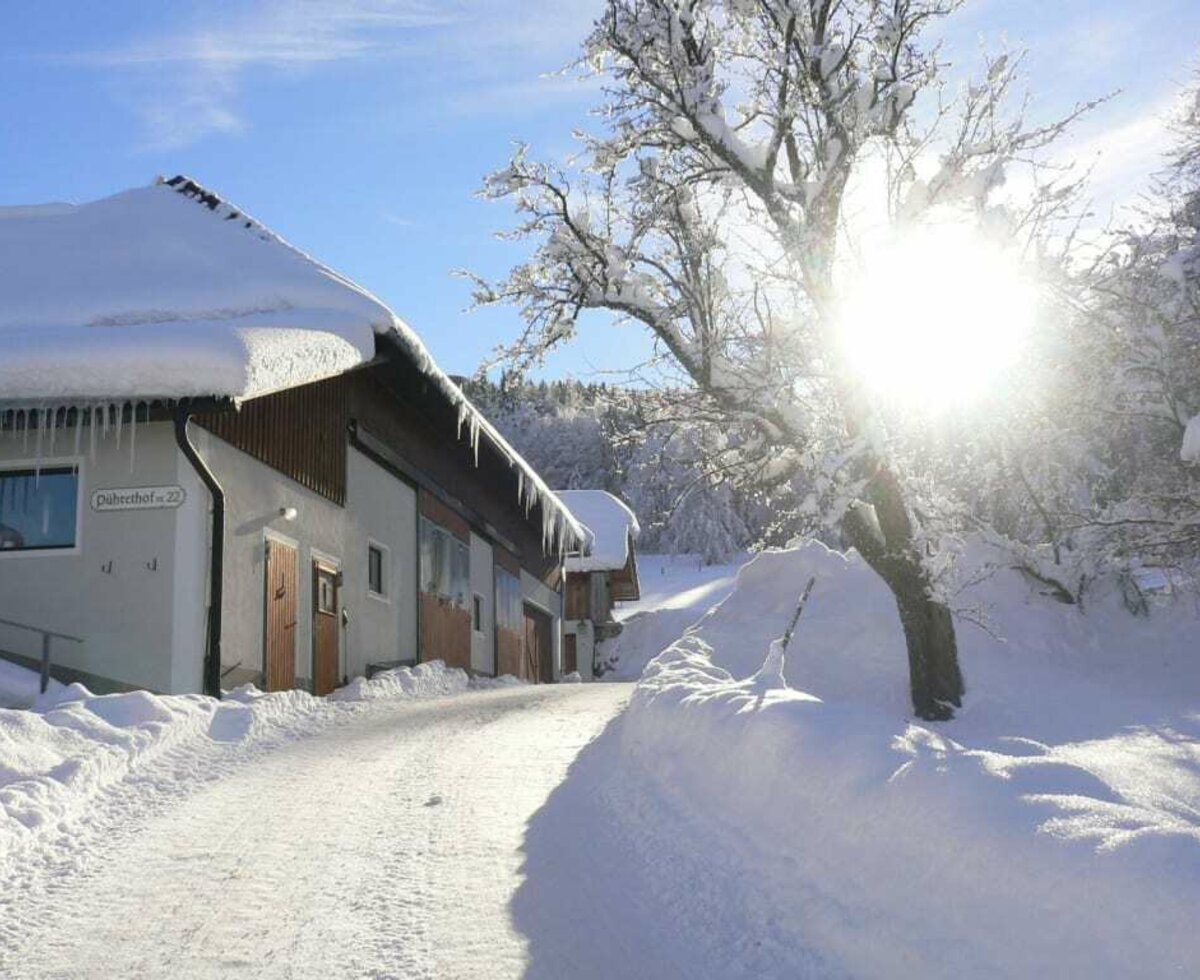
[
  {"x": 326, "y": 629},
  {"x": 445, "y": 632},
  {"x": 570, "y": 657},
  {"x": 539, "y": 651},
  {"x": 510, "y": 654},
  {"x": 446, "y": 516},
  {"x": 300, "y": 432},
  {"x": 279, "y": 631},
  {"x": 509, "y": 562},
  {"x": 408, "y": 414},
  {"x": 579, "y": 595}
]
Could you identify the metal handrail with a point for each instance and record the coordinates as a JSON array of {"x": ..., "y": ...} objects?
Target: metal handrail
[{"x": 47, "y": 635}]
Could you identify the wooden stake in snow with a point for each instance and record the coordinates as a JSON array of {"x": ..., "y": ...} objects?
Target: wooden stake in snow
[{"x": 787, "y": 637}]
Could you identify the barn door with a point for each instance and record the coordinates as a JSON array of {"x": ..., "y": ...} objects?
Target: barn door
[
  {"x": 539, "y": 652},
  {"x": 279, "y": 631},
  {"x": 326, "y": 662}
]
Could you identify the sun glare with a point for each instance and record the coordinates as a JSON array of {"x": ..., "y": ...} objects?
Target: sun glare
[{"x": 935, "y": 317}]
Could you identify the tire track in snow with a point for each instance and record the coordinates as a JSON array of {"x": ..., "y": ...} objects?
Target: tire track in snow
[{"x": 385, "y": 847}]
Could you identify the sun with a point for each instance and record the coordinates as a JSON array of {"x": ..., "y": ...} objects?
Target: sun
[{"x": 933, "y": 318}]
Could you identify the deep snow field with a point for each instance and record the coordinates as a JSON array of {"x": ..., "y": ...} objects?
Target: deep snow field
[
  {"x": 1051, "y": 829},
  {"x": 743, "y": 816}
]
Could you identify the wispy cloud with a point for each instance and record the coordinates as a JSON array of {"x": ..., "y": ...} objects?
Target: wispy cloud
[{"x": 188, "y": 83}]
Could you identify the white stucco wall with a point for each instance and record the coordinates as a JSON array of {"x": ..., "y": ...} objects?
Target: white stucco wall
[
  {"x": 379, "y": 507},
  {"x": 483, "y": 584},
  {"x": 116, "y": 588}
]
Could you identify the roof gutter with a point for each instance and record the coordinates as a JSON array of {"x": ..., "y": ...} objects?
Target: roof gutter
[{"x": 216, "y": 566}]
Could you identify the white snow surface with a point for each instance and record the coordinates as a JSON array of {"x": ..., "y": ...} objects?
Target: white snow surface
[
  {"x": 152, "y": 293},
  {"x": 611, "y": 524},
  {"x": 676, "y": 591},
  {"x": 56, "y": 759},
  {"x": 385, "y": 842},
  {"x": 1190, "y": 450},
  {"x": 19, "y": 687},
  {"x": 1052, "y": 829}
]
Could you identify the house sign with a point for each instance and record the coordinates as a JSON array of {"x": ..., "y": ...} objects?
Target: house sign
[{"x": 137, "y": 498}]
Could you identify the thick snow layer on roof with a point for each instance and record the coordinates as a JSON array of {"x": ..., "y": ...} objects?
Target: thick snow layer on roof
[
  {"x": 168, "y": 292},
  {"x": 610, "y": 522}
]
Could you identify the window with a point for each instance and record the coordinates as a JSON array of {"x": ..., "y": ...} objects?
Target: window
[
  {"x": 508, "y": 600},
  {"x": 477, "y": 613},
  {"x": 38, "y": 508},
  {"x": 445, "y": 564},
  {"x": 376, "y": 579}
]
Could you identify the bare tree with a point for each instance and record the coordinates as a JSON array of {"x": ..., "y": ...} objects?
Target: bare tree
[{"x": 712, "y": 211}]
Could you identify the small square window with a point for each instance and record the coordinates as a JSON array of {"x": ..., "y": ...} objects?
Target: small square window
[
  {"x": 375, "y": 578},
  {"x": 37, "y": 508},
  {"x": 477, "y": 613}
]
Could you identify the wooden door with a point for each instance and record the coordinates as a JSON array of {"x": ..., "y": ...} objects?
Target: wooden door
[
  {"x": 539, "y": 652},
  {"x": 279, "y": 631},
  {"x": 326, "y": 628},
  {"x": 570, "y": 654}
]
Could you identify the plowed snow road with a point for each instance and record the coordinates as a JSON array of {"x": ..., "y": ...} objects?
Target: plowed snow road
[{"x": 390, "y": 846}]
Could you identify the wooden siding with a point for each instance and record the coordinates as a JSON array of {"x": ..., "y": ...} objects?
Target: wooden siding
[
  {"x": 403, "y": 411},
  {"x": 510, "y": 651},
  {"x": 579, "y": 596},
  {"x": 280, "y": 612},
  {"x": 300, "y": 432},
  {"x": 445, "y": 632},
  {"x": 326, "y": 662},
  {"x": 539, "y": 647},
  {"x": 440, "y": 513},
  {"x": 570, "y": 654}
]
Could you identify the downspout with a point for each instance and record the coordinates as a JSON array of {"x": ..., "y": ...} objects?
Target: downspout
[{"x": 216, "y": 567}]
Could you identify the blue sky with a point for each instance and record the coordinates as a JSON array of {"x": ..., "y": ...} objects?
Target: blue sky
[{"x": 360, "y": 129}]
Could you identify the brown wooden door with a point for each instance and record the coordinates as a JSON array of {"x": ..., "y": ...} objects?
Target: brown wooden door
[
  {"x": 279, "y": 632},
  {"x": 539, "y": 651},
  {"x": 326, "y": 628},
  {"x": 570, "y": 654}
]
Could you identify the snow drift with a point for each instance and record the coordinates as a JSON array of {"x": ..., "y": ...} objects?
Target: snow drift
[{"x": 1052, "y": 829}]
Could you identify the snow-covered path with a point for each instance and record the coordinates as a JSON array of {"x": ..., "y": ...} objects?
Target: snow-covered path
[{"x": 390, "y": 846}]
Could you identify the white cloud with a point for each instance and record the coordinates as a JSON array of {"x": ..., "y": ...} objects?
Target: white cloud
[{"x": 187, "y": 83}]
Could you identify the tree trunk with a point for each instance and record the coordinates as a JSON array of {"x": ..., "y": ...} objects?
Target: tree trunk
[{"x": 882, "y": 534}]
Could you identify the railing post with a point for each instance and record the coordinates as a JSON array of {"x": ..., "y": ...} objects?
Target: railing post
[{"x": 45, "y": 661}]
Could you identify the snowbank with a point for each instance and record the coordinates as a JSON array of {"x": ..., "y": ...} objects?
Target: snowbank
[
  {"x": 55, "y": 760},
  {"x": 19, "y": 688},
  {"x": 1052, "y": 829},
  {"x": 676, "y": 591}
]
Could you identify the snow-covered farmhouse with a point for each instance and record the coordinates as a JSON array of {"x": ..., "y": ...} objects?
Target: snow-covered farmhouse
[
  {"x": 597, "y": 580},
  {"x": 222, "y": 462}
]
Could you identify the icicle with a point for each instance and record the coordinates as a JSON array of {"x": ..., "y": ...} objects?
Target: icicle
[
  {"x": 78, "y": 427},
  {"x": 53, "y": 428},
  {"x": 92, "y": 432},
  {"x": 25, "y": 431},
  {"x": 120, "y": 420},
  {"x": 475, "y": 437},
  {"x": 463, "y": 413},
  {"x": 41, "y": 438},
  {"x": 133, "y": 437}
]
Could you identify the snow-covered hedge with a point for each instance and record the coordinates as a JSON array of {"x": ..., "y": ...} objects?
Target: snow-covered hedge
[{"x": 1050, "y": 831}]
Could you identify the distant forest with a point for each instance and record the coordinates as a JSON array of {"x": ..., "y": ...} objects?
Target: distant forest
[{"x": 599, "y": 436}]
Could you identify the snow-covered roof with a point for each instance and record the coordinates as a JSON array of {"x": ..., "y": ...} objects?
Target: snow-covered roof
[
  {"x": 169, "y": 292},
  {"x": 610, "y": 524}
]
